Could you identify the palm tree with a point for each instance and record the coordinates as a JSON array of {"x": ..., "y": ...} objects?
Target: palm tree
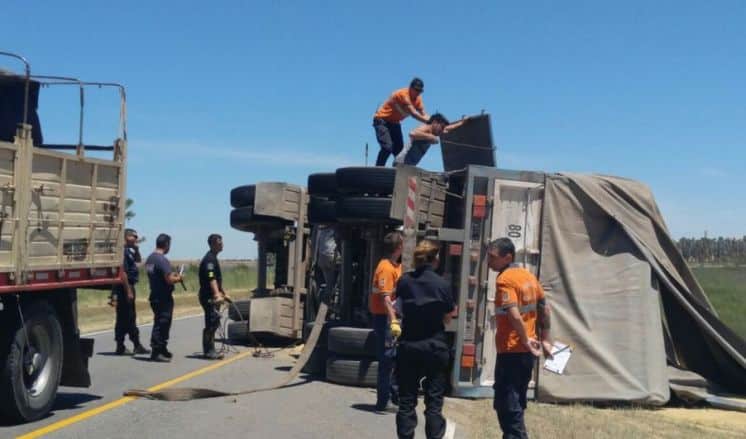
[{"x": 128, "y": 212}]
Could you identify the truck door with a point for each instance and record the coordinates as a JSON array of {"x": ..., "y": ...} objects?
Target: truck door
[{"x": 516, "y": 214}]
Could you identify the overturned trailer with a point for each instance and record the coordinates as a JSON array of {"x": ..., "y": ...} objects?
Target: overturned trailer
[{"x": 623, "y": 298}]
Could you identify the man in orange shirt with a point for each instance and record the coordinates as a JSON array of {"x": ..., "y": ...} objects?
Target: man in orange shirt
[
  {"x": 521, "y": 309},
  {"x": 385, "y": 324},
  {"x": 387, "y": 120}
]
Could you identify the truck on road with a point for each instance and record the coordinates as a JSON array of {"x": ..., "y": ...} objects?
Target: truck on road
[{"x": 62, "y": 212}]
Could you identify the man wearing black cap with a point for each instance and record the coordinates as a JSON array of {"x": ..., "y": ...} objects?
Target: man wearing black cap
[
  {"x": 387, "y": 120},
  {"x": 125, "y": 298},
  {"x": 211, "y": 294}
]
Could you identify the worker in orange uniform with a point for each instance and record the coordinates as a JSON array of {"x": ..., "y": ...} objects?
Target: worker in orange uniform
[
  {"x": 387, "y": 120},
  {"x": 521, "y": 309},
  {"x": 385, "y": 323}
]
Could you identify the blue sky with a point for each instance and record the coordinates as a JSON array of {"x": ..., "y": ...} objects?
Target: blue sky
[{"x": 229, "y": 93}]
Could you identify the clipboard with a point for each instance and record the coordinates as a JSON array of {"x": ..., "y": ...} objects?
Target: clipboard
[{"x": 561, "y": 354}]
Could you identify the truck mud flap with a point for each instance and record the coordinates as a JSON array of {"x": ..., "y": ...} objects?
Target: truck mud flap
[{"x": 75, "y": 364}]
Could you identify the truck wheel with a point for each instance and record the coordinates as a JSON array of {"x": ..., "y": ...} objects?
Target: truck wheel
[
  {"x": 321, "y": 211},
  {"x": 366, "y": 180},
  {"x": 243, "y": 219},
  {"x": 243, "y": 308},
  {"x": 365, "y": 210},
  {"x": 359, "y": 342},
  {"x": 316, "y": 364},
  {"x": 238, "y": 331},
  {"x": 322, "y": 184},
  {"x": 324, "y": 336},
  {"x": 243, "y": 196},
  {"x": 352, "y": 372},
  {"x": 32, "y": 369}
]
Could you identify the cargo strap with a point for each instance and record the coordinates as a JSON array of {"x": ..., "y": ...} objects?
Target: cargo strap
[{"x": 188, "y": 394}]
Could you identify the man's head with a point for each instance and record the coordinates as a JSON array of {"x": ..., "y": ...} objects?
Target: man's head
[
  {"x": 163, "y": 243},
  {"x": 392, "y": 244},
  {"x": 438, "y": 122},
  {"x": 416, "y": 87},
  {"x": 426, "y": 253},
  {"x": 215, "y": 242},
  {"x": 130, "y": 236},
  {"x": 500, "y": 254}
]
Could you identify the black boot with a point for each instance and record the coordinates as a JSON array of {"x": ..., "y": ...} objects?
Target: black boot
[
  {"x": 208, "y": 345},
  {"x": 122, "y": 349},
  {"x": 140, "y": 349}
]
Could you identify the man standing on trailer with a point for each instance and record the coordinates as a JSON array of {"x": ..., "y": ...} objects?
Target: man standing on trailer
[
  {"x": 125, "y": 296},
  {"x": 385, "y": 324},
  {"x": 387, "y": 120},
  {"x": 211, "y": 294},
  {"x": 162, "y": 279},
  {"x": 521, "y": 309}
]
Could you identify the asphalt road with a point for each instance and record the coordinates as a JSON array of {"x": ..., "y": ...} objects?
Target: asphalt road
[{"x": 307, "y": 409}]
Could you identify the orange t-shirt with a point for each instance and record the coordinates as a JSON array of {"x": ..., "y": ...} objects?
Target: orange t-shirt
[
  {"x": 384, "y": 284},
  {"x": 400, "y": 98},
  {"x": 516, "y": 287}
]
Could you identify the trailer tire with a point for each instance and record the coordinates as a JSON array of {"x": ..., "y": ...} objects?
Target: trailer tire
[
  {"x": 316, "y": 364},
  {"x": 244, "y": 306},
  {"x": 352, "y": 372},
  {"x": 28, "y": 396},
  {"x": 323, "y": 340},
  {"x": 359, "y": 342},
  {"x": 322, "y": 184},
  {"x": 365, "y": 210},
  {"x": 243, "y": 196},
  {"x": 238, "y": 331},
  {"x": 366, "y": 180},
  {"x": 243, "y": 219},
  {"x": 321, "y": 211}
]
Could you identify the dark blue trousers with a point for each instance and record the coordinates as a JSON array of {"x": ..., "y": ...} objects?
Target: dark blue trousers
[
  {"x": 386, "y": 355},
  {"x": 512, "y": 375}
]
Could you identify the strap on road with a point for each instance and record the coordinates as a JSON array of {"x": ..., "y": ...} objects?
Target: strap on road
[{"x": 188, "y": 394}]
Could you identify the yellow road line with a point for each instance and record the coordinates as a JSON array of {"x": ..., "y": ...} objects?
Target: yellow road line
[{"x": 124, "y": 400}]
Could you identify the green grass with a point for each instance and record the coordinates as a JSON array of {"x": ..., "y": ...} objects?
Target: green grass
[{"x": 726, "y": 288}]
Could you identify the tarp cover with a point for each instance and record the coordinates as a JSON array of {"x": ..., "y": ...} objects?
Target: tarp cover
[{"x": 624, "y": 298}]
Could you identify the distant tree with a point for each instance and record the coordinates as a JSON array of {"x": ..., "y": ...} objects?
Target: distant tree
[{"x": 128, "y": 212}]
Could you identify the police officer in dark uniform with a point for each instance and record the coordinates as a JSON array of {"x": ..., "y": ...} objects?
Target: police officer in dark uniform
[
  {"x": 426, "y": 305},
  {"x": 162, "y": 279},
  {"x": 211, "y": 295},
  {"x": 125, "y": 297}
]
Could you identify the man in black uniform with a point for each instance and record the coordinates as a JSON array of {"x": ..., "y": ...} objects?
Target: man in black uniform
[
  {"x": 426, "y": 305},
  {"x": 125, "y": 298},
  {"x": 162, "y": 279},
  {"x": 211, "y": 295}
]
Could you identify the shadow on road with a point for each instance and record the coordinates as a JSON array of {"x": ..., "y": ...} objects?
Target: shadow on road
[
  {"x": 371, "y": 408},
  {"x": 69, "y": 401}
]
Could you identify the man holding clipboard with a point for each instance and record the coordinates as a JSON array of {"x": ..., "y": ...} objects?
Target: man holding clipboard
[{"x": 520, "y": 308}]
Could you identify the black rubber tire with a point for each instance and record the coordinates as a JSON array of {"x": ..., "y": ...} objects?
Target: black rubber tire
[
  {"x": 238, "y": 331},
  {"x": 366, "y": 180},
  {"x": 352, "y": 372},
  {"x": 322, "y": 184},
  {"x": 347, "y": 341},
  {"x": 321, "y": 211},
  {"x": 17, "y": 402},
  {"x": 243, "y": 196},
  {"x": 364, "y": 210},
  {"x": 316, "y": 364},
  {"x": 243, "y": 219},
  {"x": 324, "y": 336},
  {"x": 243, "y": 308}
]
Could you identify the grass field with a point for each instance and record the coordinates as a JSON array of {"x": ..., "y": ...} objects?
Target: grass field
[{"x": 726, "y": 288}]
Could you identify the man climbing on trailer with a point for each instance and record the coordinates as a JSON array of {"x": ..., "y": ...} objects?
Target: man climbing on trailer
[
  {"x": 425, "y": 135},
  {"x": 401, "y": 104}
]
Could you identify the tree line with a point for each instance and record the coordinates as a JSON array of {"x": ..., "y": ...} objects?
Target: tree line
[{"x": 713, "y": 250}]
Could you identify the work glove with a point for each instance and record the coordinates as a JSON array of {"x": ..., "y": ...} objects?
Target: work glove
[{"x": 395, "y": 328}]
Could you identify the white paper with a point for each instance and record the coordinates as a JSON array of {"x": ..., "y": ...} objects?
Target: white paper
[{"x": 561, "y": 353}]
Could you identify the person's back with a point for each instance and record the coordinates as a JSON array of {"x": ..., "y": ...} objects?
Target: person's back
[{"x": 424, "y": 299}]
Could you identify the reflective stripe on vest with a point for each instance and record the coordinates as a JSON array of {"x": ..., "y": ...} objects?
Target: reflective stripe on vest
[{"x": 523, "y": 309}]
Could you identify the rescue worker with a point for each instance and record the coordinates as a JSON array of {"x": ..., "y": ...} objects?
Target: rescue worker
[
  {"x": 426, "y": 306},
  {"x": 211, "y": 295},
  {"x": 387, "y": 120},
  {"x": 520, "y": 307},
  {"x": 162, "y": 279},
  {"x": 125, "y": 296},
  {"x": 385, "y": 324},
  {"x": 425, "y": 135}
]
